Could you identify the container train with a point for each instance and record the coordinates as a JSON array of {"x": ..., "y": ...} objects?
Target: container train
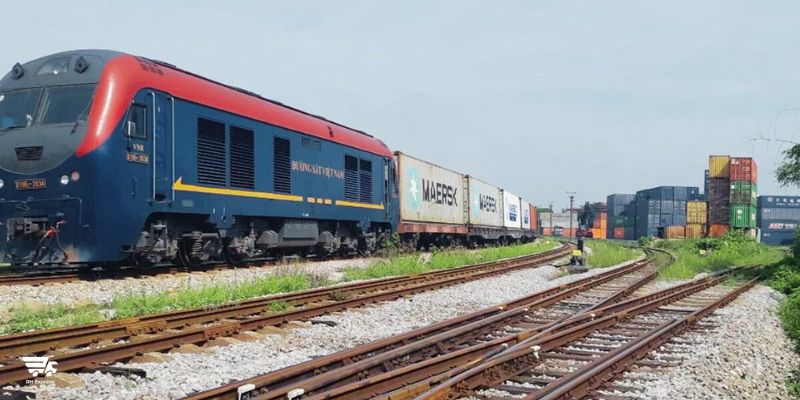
[{"x": 110, "y": 159}]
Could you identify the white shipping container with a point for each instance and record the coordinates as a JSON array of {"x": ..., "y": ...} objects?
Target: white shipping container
[
  {"x": 429, "y": 193},
  {"x": 526, "y": 214},
  {"x": 512, "y": 217},
  {"x": 485, "y": 203}
]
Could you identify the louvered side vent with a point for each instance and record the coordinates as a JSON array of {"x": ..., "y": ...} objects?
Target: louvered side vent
[
  {"x": 365, "y": 181},
  {"x": 350, "y": 178},
  {"x": 211, "y": 165},
  {"x": 242, "y": 159},
  {"x": 282, "y": 165},
  {"x": 32, "y": 153}
]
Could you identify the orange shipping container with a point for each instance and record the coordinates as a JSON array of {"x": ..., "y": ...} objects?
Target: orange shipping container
[
  {"x": 619, "y": 233},
  {"x": 717, "y": 230},
  {"x": 744, "y": 169},
  {"x": 598, "y": 233},
  {"x": 719, "y": 166},
  {"x": 534, "y": 219},
  {"x": 675, "y": 232},
  {"x": 695, "y": 230}
]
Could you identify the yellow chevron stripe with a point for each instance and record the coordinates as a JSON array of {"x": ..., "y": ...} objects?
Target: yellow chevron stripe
[
  {"x": 183, "y": 187},
  {"x": 359, "y": 205}
]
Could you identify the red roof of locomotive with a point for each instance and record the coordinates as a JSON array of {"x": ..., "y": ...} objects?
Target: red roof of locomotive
[{"x": 123, "y": 76}]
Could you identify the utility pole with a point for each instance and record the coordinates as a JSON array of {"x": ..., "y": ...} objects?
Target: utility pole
[
  {"x": 551, "y": 218},
  {"x": 571, "y": 202}
]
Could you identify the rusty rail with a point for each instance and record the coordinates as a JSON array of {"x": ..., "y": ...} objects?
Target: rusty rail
[
  {"x": 531, "y": 352},
  {"x": 183, "y": 327},
  {"x": 421, "y": 347}
]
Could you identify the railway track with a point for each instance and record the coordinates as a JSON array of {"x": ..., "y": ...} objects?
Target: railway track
[
  {"x": 577, "y": 358},
  {"x": 498, "y": 356},
  {"x": 93, "y": 346},
  {"x": 454, "y": 340}
]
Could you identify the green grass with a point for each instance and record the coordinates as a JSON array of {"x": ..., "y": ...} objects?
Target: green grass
[
  {"x": 605, "y": 254},
  {"x": 416, "y": 264},
  {"x": 709, "y": 255},
  {"x": 27, "y": 318},
  {"x": 51, "y": 316}
]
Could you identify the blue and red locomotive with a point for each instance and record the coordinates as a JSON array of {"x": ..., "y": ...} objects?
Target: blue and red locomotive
[{"x": 109, "y": 159}]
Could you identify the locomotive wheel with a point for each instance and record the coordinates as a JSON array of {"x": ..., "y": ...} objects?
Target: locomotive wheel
[
  {"x": 233, "y": 257},
  {"x": 187, "y": 254}
]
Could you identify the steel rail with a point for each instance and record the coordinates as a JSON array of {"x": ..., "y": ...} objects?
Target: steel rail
[
  {"x": 584, "y": 380},
  {"x": 526, "y": 354},
  {"x": 177, "y": 329},
  {"x": 415, "y": 346},
  {"x": 51, "y": 339}
]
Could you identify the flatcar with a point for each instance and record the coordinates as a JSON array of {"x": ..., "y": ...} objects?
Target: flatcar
[{"x": 112, "y": 159}]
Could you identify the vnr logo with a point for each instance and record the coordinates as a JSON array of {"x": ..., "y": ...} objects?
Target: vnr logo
[{"x": 512, "y": 212}]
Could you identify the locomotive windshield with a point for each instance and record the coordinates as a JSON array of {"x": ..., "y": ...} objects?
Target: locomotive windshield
[
  {"x": 18, "y": 107},
  {"x": 53, "y": 105},
  {"x": 66, "y": 104}
]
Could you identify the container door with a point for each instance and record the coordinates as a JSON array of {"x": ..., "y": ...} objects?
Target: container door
[{"x": 163, "y": 109}]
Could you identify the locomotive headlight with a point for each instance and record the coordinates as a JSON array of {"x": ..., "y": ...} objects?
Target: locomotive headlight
[
  {"x": 64, "y": 180},
  {"x": 75, "y": 176},
  {"x": 2, "y": 183}
]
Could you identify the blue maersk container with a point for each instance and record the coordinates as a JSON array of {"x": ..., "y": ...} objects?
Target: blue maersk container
[{"x": 778, "y": 217}]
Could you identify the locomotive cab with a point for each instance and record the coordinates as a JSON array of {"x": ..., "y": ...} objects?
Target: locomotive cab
[{"x": 44, "y": 108}]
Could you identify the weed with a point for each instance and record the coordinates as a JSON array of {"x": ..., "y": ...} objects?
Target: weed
[
  {"x": 605, "y": 254},
  {"x": 444, "y": 259},
  {"x": 279, "y": 307}
]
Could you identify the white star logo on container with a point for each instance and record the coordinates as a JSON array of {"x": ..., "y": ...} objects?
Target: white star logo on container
[{"x": 413, "y": 186}]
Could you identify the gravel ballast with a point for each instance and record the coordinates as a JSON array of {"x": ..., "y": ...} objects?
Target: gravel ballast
[
  {"x": 187, "y": 373},
  {"x": 746, "y": 355}
]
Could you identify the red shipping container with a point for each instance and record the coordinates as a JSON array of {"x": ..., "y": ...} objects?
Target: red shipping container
[
  {"x": 619, "y": 233},
  {"x": 744, "y": 169},
  {"x": 534, "y": 219},
  {"x": 717, "y": 230},
  {"x": 547, "y": 231}
]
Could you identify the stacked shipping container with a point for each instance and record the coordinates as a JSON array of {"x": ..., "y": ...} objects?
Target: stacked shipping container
[
  {"x": 778, "y": 218},
  {"x": 719, "y": 194},
  {"x": 621, "y": 216},
  {"x": 696, "y": 219},
  {"x": 662, "y": 207},
  {"x": 744, "y": 175}
]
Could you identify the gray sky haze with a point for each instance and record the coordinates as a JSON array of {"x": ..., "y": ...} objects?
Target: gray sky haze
[{"x": 538, "y": 97}]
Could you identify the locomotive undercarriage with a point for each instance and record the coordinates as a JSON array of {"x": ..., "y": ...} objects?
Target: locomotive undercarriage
[{"x": 192, "y": 242}]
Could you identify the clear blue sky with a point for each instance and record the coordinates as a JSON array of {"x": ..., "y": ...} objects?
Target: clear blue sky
[{"x": 537, "y": 97}]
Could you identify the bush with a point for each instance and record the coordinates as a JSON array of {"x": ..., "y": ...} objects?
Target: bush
[{"x": 712, "y": 254}]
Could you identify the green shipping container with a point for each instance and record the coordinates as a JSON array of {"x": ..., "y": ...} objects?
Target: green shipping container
[
  {"x": 744, "y": 192},
  {"x": 743, "y": 216}
]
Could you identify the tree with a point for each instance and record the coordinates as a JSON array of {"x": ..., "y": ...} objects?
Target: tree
[
  {"x": 788, "y": 172},
  {"x": 588, "y": 212}
]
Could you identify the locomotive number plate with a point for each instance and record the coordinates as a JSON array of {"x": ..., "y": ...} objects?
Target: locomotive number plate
[{"x": 30, "y": 184}]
